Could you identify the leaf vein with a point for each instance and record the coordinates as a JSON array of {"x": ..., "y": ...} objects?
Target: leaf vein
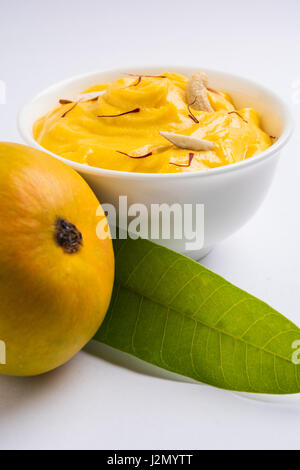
[
  {"x": 208, "y": 297},
  {"x": 139, "y": 264},
  {"x": 229, "y": 310},
  {"x": 210, "y": 327},
  {"x": 276, "y": 336},
  {"x": 257, "y": 321},
  {"x": 185, "y": 285},
  {"x": 164, "y": 274},
  {"x": 163, "y": 339},
  {"x": 192, "y": 347},
  {"x": 136, "y": 325}
]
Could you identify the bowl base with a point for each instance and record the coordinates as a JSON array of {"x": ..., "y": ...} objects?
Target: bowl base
[{"x": 197, "y": 255}]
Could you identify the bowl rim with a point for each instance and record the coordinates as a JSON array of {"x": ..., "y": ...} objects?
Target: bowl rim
[{"x": 25, "y": 132}]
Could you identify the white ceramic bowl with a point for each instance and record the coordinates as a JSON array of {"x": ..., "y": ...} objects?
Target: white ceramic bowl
[{"x": 230, "y": 194}]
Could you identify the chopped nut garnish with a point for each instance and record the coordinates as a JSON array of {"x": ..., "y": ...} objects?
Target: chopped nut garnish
[
  {"x": 196, "y": 92},
  {"x": 187, "y": 142},
  {"x": 81, "y": 97}
]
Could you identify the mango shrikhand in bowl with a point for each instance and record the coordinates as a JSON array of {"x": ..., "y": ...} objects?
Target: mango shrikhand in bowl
[
  {"x": 160, "y": 123},
  {"x": 169, "y": 137}
]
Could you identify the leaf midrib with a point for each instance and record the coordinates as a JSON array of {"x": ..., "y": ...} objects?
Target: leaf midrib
[{"x": 260, "y": 348}]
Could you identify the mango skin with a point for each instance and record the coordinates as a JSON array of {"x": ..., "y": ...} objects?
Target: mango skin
[{"x": 51, "y": 302}]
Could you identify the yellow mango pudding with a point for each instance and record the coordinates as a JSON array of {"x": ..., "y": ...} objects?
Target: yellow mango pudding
[{"x": 152, "y": 124}]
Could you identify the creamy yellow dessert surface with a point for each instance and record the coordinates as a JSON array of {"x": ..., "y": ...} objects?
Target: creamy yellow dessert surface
[{"x": 125, "y": 123}]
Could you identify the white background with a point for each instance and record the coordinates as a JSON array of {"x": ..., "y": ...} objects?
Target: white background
[{"x": 103, "y": 399}]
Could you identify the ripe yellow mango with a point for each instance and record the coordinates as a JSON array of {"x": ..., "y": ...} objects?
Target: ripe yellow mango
[{"x": 56, "y": 275}]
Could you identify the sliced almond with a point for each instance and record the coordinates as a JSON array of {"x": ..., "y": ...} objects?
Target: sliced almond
[
  {"x": 91, "y": 96},
  {"x": 187, "y": 142},
  {"x": 81, "y": 97},
  {"x": 196, "y": 92}
]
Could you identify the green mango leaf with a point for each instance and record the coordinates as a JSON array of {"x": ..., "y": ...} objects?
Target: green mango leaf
[{"x": 172, "y": 312}]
